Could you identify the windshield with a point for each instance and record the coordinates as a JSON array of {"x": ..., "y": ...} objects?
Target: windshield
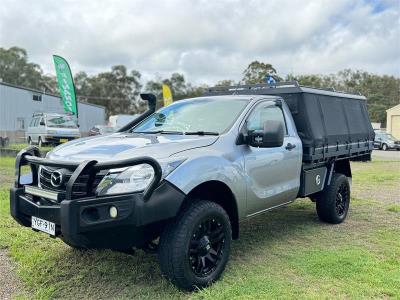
[
  {"x": 61, "y": 122},
  {"x": 212, "y": 116},
  {"x": 386, "y": 136}
]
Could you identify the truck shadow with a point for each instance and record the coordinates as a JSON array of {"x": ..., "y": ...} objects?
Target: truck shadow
[{"x": 112, "y": 274}]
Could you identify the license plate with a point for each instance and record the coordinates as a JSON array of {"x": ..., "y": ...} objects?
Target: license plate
[
  {"x": 43, "y": 225},
  {"x": 63, "y": 140}
]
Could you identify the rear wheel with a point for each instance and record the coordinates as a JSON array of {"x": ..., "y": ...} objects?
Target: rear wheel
[
  {"x": 40, "y": 142},
  {"x": 333, "y": 202},
  {"x": 194, "y": 249},
  {"x": 30, "y": 141}
]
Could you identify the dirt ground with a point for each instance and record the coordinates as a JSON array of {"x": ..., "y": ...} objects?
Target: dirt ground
[{"x": 9, "y": 283}]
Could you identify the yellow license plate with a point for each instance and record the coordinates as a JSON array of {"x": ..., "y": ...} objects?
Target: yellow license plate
[{"x": 63, "y": 140}]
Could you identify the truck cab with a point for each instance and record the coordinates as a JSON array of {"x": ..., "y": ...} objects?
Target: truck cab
[{"x": 179, "y": 181}]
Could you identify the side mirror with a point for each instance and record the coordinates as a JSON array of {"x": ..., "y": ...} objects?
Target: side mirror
[
  {"x": 272, "y": 135},
  {"x": 42, "y": 123}
]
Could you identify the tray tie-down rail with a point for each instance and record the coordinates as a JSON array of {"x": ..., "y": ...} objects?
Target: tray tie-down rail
[{"x": 31, "y": 156}]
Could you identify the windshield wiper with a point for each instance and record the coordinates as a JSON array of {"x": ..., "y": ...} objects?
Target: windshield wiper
[
  {"x": 159, "y": 131},
  {"x": 178, "y": 132},
  {"x": 201, "y": 133}
]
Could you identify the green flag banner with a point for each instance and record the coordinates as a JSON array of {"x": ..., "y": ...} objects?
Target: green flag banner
[{"x": 66, "y": 85}]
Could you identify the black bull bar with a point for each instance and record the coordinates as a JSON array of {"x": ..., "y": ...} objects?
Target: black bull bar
[{"x": 31, "y": 156}]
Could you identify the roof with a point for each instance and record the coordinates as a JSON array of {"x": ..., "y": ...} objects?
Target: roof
[
  {"x": 291, "y": 87},
  {"x": 43, "y": 93},
  {"x": 394, "y": 108}
]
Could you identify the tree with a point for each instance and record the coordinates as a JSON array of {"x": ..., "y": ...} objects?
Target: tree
[
  {"x": 225, "y": 82},
  {"x": 117, "y": 90},
  {"x": 15, "y": 69},
  {"x": 179, "y": 88},
  {"x": 257, "y": 71}
]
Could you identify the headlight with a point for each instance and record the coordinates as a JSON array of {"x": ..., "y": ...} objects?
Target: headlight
[{"x": 133, "y": 179}]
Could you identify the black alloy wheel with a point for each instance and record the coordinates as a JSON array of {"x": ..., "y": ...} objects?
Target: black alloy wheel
[
  {"x": 194, "y": 247},
  {"x": 206, "y": 246},
  {"x": 342, "y": 198},
  {"x": 333, "y": 202}
]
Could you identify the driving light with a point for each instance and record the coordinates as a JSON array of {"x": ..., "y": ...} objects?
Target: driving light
[{"x": 113, "y": 212}]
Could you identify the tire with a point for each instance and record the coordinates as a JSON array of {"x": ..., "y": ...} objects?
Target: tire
[
  {"x": 30, "y": 141},
  {"x": 188, "y": 257},
  {"x": 384, "y": 147},
  {"x": 333, "y": 202},
  {"x": 40, "y": 143}
]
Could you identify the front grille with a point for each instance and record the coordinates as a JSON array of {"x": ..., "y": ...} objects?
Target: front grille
[
  {"x": 397, "y": 142},
  {"x": 80, "y": 188}
]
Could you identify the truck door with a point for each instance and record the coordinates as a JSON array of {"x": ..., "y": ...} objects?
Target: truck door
[{"x": 273, "y": 174}]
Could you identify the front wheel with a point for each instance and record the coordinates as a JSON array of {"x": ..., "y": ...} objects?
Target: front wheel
[
  {"x": 194, "y": 248},
  {"x": 384, "y": 147},
  {"x": 333, "y": 202}
]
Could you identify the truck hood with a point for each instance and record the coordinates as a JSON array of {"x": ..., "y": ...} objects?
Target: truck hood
[{"x": 122, "y": 145}]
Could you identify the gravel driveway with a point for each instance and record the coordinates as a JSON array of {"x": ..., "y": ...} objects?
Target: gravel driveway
[
  {"x": 386, "y": 155},
  {"x": 9, "y": 284}
]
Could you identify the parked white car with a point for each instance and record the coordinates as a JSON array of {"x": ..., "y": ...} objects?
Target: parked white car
[{"x": 51, "y": 128}]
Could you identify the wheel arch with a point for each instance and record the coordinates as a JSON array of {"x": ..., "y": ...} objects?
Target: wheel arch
[
  {"x": 220, "y": 193},
  {"x": 343, "y": 167}
]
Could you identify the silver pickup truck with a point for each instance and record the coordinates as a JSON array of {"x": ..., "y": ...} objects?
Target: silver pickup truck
[{"x": 179, "y": 181}]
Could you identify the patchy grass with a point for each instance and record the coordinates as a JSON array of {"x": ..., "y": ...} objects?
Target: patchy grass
[
  {"x": 286, "y": 253},
  {"x": 394, "y": 208},
  {"x": 23, "y": 146}
]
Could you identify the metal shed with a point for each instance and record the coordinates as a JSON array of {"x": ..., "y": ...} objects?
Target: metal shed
[
  {"x": 17, "y": 104},
  {"x": 393, "y": 121}
]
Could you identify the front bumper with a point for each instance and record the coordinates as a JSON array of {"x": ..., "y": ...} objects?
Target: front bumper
[
  {"x": 86, "y": 222},
  {"x": 394, "y": 146},
  {"x": 57, "y": 139}
]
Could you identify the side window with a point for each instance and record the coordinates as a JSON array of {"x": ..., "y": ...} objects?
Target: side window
[
  {"x": 32, "y": 122},
  {"x": 263, "y": 113},
  {"x": 36, "y": 122},
  {"x": 40, "y": 121}
]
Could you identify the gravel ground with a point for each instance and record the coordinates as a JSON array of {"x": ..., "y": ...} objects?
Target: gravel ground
[
  {"x": 9, "y": 283},
  {"x": 386, "y": 155}
]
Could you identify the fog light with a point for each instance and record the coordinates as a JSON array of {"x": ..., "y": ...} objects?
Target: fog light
[{"x": 113, "y": 212}]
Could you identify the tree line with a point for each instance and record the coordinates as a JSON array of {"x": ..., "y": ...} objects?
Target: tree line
[{"x": 118, "y": 89}]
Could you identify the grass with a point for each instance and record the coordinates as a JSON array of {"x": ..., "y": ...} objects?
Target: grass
[
  {"x": 19, "y": 147},
  {"x": 394, "y": 208},
  {"x": 286, "y": 253}
]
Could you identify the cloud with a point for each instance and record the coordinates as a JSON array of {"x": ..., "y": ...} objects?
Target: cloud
[{"x": 207, "y": 40}]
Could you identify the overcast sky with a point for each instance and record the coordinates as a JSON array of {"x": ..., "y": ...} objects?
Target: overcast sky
[{"x": 207, "y": 40}]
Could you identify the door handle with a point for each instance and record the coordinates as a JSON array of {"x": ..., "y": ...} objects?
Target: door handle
[{"x": 290, "y": 146}]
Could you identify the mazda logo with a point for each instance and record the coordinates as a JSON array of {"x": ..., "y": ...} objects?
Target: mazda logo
[{"x": 56, "y": 179}]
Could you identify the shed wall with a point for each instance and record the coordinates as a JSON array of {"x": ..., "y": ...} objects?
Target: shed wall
[{"x": 17, "y": 107}]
